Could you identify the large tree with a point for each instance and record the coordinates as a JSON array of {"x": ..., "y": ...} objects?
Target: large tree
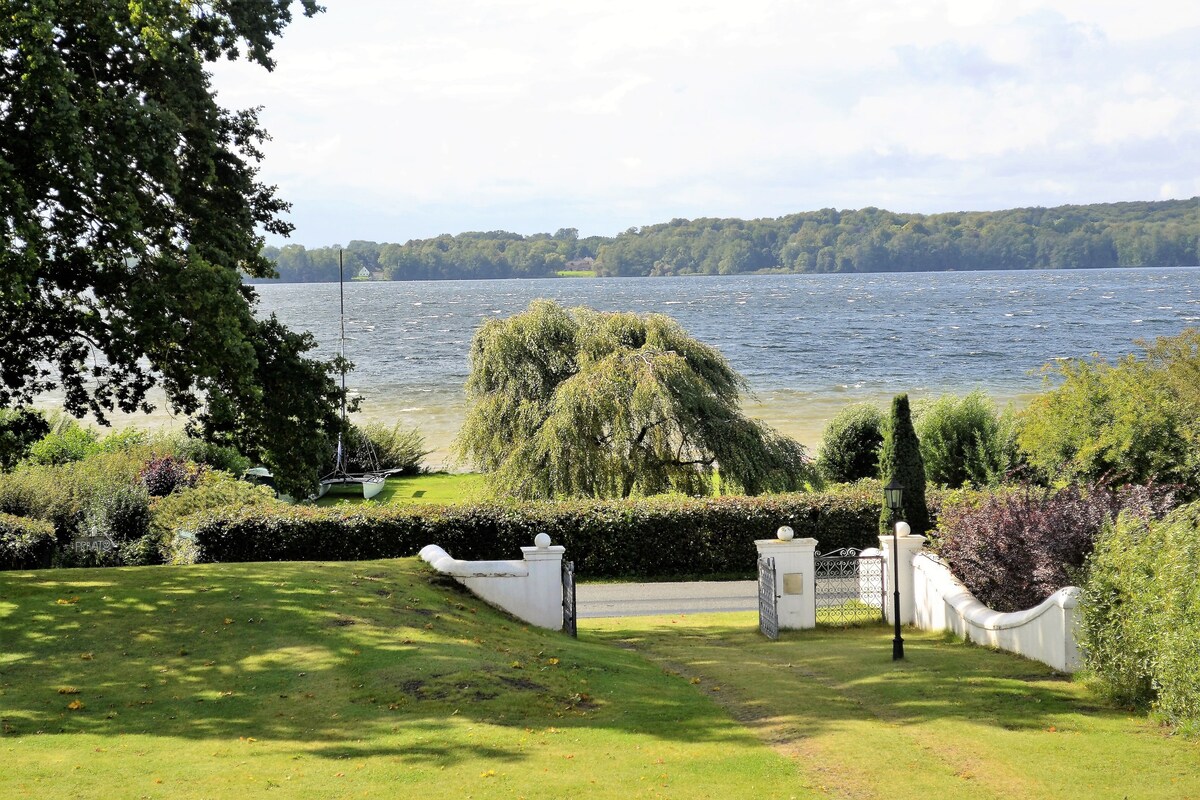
[
  {"x": 593, "y": 404},
  {"x": 130, "y": 206}
]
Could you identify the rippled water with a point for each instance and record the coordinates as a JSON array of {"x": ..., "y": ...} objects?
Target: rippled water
[{"x": 807, "y": 343}]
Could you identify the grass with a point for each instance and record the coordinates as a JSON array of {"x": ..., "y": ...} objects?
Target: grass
[
  {"x": 576, "y": 273},
  {"x": 951, "y": 720},
  {"x": 379, "y": 679},
  {"x": 433, "y": 487},
  {"x": 336, "y": 680}
]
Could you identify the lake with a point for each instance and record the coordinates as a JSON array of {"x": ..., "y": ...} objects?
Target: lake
[{"x": 808, "y": 344}]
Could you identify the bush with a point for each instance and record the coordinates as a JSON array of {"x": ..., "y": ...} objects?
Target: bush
[
  {"x": 71, "y": 443},
  {"x": 376, "y": 446},
  {"x": 198, "y": 451},
  {"x": 1013, "y": 549},
  {"x": 20, "y": 428},
  {"x": 173, "y": 517},
  {"x": 850, "y": 444},
  {"x": 1141, "y": 614},
  {"x": 1115, "y": 423},
  {"x": 659, "y": 537},
  {"x": 25, "y": 543},
  {"x": 964, "y": 441},
  {"x": 162, "y": 475}
]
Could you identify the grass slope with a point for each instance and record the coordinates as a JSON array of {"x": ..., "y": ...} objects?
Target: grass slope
[
  {"x": 370, "y": 679},
  {"x": 951, "y": 720}
]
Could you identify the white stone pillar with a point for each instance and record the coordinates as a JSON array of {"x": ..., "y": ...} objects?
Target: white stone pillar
[
  {"x": 908, "y": 546},
  {"x": 795, "y": 571},
  {"x": 545, "y": 589}
]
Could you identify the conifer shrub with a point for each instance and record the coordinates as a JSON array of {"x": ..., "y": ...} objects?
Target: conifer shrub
[
  {"x": 851, "y": 443},
  {"x": 900, "y": 460},
  {"x": 1014, "y": 548},
  {"x": 1141, "y": 615}
]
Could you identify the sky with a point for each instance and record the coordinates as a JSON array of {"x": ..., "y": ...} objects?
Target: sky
[{"x": 394, "y": 119}]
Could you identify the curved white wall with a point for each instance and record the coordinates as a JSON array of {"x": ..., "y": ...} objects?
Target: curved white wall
[
  {"x": 530, "y": 589},
  {"x": 1046, "y": 632}
]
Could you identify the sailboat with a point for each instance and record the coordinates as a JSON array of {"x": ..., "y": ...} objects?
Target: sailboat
[{"x": 372, "y": 482}]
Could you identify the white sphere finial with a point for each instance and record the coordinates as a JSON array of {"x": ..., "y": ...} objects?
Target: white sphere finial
[
  {"x": 903, "y": 529},
  {"x": 785, "y": 533},
  {"x": 541, "y": 541}
]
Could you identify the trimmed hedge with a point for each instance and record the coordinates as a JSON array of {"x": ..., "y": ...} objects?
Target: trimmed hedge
[
  {"x": 25, "y": 543},
  {"x": 658, "y": 537}
]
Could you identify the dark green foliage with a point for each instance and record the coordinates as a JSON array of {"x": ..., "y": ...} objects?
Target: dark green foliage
[
  {"x": 900, "y": 460},
  {"x": 121, "y": 513},
  {"x": 582, "y": 403},
  {"x": 1141, "y": 614},
  {"x": 25, "y": 543},
  {"x": 131, "y": 208},
  {"x": 964, "y": 441},
  {"x": 851, "y": 443},
  {"x": 1151, "y": 234},
  {"x": 1015, "y": 548},
  {"x": 657, "y": 537},
  {"x": 198, "y": 451},
  {"x": 20, "y": 429}
]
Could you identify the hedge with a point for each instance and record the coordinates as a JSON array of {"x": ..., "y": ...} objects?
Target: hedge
[
  {"x": 659, "y": 537},
  {"x": 25, "y": 543},
  {"x": 1141, "y": 615}
]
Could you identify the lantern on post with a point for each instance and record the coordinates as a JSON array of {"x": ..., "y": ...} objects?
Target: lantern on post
[{"x": 893, "y": 495}]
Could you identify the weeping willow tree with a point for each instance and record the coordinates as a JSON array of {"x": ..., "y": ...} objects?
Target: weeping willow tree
[{"x": 593, "y": 404}]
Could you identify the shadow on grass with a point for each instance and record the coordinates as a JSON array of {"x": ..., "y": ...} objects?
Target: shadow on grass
[
  {"x": 350, "y": 659},
  {"x": 827, "y": 676}
]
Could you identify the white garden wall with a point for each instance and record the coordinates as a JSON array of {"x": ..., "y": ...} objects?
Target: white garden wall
[
  {"x": 530, "y": 588},
  {"x": 1046, "y": 632}
]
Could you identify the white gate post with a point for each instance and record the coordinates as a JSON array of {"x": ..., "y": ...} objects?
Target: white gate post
[
  {"x": 794, "y": 573},
  {"x": 908, "y": 546}
]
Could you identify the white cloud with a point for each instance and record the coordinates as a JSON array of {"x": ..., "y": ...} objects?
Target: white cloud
[{"x": 538, "y": 115}]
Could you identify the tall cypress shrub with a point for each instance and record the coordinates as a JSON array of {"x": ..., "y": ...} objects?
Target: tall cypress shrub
[{"x": 900, "y": 459}]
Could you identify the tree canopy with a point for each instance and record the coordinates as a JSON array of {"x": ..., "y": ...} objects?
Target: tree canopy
[
  {"x": 130, "y": 206},
  {"x": 1163, "y": 233},
  {"x": 596, "y": 404}
]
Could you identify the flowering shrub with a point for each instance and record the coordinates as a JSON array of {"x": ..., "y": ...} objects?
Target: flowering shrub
[{"x": 1014, "y": 549}]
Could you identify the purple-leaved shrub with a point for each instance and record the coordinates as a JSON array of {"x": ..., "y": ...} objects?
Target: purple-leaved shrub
[
  {"x": 1014, "y": 549},
  {"x": 162, "y": 475}
]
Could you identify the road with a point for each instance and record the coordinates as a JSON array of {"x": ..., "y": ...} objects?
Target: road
[{"x": 641, "y": 599}]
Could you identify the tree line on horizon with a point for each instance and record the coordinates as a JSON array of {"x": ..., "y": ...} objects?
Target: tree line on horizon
[{"x": 1132, "y": 234}]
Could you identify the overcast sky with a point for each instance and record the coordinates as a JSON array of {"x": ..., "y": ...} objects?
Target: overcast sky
[{"x": 394, "y": 119}]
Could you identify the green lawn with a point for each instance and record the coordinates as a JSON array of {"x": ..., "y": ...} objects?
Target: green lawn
[
  {"x": 363, "y": 679},
  {"x": 576, "y": 273},
  {"x": 378, "y": 679},
  {"x": 434, "y": 487},
  {"x": 951, "y": 720}
]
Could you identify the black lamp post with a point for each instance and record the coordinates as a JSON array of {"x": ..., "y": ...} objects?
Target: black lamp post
[{"x": 893, "y": 495}]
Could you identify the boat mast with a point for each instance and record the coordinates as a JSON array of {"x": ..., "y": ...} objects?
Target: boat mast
[{"x": 341, "y": 455}]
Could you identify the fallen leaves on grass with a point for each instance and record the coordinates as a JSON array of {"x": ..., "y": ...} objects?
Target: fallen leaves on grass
[
  {"x": 68, "y": 690},
  {"x": 75, "y": 705},
  {"x": 66, "y": 601}
]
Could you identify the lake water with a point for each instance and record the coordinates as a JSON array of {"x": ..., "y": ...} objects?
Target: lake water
[{"x": 808, "y": 344}]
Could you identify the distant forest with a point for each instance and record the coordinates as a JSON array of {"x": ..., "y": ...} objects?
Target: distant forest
[{"x": 1137, "y": 234}]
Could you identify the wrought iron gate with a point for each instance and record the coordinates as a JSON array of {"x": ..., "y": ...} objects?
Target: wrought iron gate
[
  {"x": 768, "y": 610},
  {"x": 568, "y": 584},
  {"x": 850, "y": 587}
]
